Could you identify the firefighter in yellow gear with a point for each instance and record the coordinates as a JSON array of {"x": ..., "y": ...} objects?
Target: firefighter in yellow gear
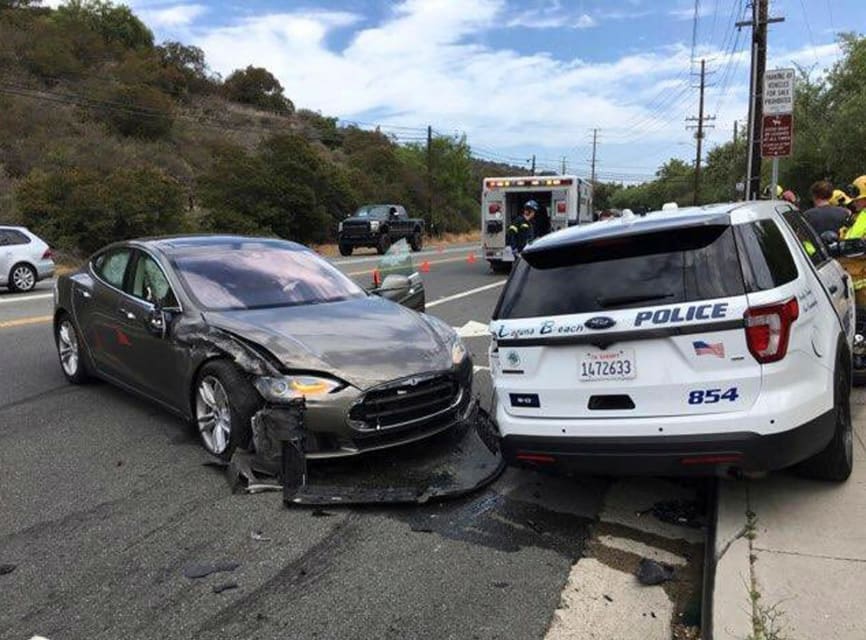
[{"x": 857, "y": 204}]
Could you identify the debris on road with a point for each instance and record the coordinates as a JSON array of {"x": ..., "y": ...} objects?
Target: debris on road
[
  {"x": 195, "y": 571},
  {"x": 650, "y": 572},
  {"x": 7, "y": 568},
  {"x": 608, "y": 598},
  {"x": 321, "y": 513},
  {"x": 258, "y": 536},
  {"x": 225, "y": 586},
  {"x": 686, "y": 513}
]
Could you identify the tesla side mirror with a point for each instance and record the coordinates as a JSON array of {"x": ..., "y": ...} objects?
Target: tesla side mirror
[
  {"x": 402, "y": 289},
  {"x": 157, "y": 322},
  {"x": 830, "y": 237}
]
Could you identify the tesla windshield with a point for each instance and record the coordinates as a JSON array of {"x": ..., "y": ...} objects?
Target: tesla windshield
[{"x": 260, "y": 276}]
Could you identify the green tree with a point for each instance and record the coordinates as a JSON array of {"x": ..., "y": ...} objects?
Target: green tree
[
  {"x": 258, "y": 87},
  {"x": 117, "y": 24},
  {"x": 85, "y": 210}
]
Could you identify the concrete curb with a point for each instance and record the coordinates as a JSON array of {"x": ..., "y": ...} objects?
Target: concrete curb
[{"x": 730, "y": 605}]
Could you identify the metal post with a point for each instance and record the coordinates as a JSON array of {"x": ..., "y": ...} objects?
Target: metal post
[{"x": 774, "y": 180}]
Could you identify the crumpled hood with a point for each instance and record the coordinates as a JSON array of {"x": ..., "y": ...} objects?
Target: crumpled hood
[{"x": 364, "y": 341}]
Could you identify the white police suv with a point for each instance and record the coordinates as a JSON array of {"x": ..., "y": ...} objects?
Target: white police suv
[{"x": 700, "y": 341}]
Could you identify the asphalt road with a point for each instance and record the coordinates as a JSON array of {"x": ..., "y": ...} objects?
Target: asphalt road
[{"x": 104, "y": 499}]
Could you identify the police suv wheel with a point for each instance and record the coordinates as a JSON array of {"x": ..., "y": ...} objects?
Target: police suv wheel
[
  {"x": 836, "y": 461},
  {"x": 346, "y": 249}
]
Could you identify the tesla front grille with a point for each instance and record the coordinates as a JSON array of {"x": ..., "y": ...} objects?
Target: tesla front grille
[{"x": 407, "y": 402}]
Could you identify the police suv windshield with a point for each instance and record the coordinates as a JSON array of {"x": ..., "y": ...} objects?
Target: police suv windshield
[{"x": 683, "y": 265}]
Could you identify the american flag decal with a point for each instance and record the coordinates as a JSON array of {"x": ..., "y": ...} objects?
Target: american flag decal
[{"x": 706, "y": 349}]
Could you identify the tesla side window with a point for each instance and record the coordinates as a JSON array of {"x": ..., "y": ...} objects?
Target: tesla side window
[
  {"x": 149, "y": 283},
  {"x": 261, "y": 275},
  {"x": 111, "y": 266}
]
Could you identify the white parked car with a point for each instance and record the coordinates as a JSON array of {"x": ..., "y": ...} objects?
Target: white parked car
[
  {"x": 25, "y": 259},
  {"x": 699, "y": 341}
]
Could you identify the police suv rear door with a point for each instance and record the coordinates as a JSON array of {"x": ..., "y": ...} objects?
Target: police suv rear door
[{"x": 643, "y": 322}]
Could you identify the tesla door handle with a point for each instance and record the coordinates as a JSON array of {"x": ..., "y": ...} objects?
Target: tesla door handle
[
  {"x": 845, "y": 285},
  {"x": 129, "y": 315}
]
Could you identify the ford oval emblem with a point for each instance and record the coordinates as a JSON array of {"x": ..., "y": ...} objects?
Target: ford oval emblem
[{"x": 599, "y": 322}]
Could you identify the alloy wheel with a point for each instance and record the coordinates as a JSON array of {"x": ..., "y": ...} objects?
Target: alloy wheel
[
  {"x": 23, "y": 278},
  {"x": 67, "y": 346},
  {"x": 213, "y": 415}
]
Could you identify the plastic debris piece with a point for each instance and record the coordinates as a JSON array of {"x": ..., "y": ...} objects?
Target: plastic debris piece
[
  {"x": 195, "y": 571},
  {"x": 7, "y": 568},
  {"x": 258, "y": 536},
  {"x": 650, "y": 572}
]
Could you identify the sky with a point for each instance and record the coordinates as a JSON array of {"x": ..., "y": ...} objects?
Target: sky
[{"x": 518, "y": 77}]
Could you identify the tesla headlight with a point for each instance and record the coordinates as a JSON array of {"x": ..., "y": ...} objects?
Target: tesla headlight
[
  {"x": 374, "y": 225},
  {"x": 284, "y": 389},
  {"x": 458, "y": 352}
]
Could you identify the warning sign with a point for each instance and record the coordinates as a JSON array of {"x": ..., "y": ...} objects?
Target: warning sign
[
  {"x": 778, "y": 91},
  {"x": 776, "y": 135}
]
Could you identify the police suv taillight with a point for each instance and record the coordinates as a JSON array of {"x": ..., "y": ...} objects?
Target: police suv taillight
[{"x": 768, "y": 329}]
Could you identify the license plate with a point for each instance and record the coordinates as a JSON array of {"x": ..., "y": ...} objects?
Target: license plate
[{"x": 618, "y": 364}]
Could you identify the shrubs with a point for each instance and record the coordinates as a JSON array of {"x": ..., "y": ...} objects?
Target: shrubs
[
  {"x": 140, "y": 111},
  {"x": 86, "y": 210},
  {"x": 257, "y": 87}
]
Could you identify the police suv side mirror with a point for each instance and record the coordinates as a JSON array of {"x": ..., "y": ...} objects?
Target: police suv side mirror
[
  {"x": 851, "y": 248},
  {"x": 830, "y": 237}
]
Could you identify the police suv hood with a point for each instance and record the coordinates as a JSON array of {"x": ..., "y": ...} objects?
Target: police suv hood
[{"x": 365, "y": 341}]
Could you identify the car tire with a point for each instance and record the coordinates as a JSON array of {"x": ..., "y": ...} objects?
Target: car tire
[
  {"x": 383, "y": 244},
  {"x": 836, "y": 460},
  {"x": 417, "y": 241},
  {"x": 346, "y": 249},
  {"x": 22, "y": 278},
  {"x": 223, "y": 404},
  {"x": 498, "y": 266},
  {"x": 70, "y": 351}
]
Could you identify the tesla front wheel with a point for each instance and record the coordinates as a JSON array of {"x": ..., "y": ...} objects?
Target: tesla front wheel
[{"x": 224, "y": 404}]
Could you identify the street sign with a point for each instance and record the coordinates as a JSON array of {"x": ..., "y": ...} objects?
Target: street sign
[
  {"x": 776, "y": 135},
  {"x": 778, "y": 91}
]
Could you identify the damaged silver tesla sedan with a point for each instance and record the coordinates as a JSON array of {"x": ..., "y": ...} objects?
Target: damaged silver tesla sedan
[{"x": 217, "y": 328}]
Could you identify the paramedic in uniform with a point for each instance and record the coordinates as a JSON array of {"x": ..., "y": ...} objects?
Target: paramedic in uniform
[{"x": 520, "y": 231}]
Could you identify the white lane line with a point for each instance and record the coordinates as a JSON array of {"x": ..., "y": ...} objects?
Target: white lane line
[
  {"x": 464, "y": 294},
  {"x": 473, "y": 329},
  {"x": 38, "y": 296},
  {"x": 431, "y": 252}
]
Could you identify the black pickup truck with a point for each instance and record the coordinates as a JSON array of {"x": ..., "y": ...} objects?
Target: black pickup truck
[{"x": 378, "y": 225}]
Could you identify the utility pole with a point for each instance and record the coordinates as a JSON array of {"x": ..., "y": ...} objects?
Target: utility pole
[
  {"x": 430, "y": 178},
  {"x": 699, "y": 135},
  {"x": 563, "y": 166},
  {"x": 735, "y": 133},
  {"x": 533, "y": 164},
  {"x": 758, "y": 23},
  {"x": 594, "y": 145}
]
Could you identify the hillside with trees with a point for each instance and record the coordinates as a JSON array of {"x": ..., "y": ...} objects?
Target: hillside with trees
[{"x": 107, "y": 134}]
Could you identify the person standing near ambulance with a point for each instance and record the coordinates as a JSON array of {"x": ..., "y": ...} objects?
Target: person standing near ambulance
[{"x": 520, "y": 231}]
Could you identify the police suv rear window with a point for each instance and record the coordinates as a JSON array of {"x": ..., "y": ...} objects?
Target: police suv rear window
[
  {"x": 767, "y": 261},
  {"x": 683, "y": 265}
]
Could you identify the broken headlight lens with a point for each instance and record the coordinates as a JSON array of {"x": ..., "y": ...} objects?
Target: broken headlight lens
[
  {"x": 458, "y": 352},
  {"x": 284, "y": 389}
]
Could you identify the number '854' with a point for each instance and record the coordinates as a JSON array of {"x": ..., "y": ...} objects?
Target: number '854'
[{"x": 712, "y": 396}]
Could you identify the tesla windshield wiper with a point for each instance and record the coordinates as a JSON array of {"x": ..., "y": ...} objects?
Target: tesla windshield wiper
[{"x": 620, "y": 301}]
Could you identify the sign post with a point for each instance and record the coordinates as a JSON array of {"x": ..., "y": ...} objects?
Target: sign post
[{"x": 777, "y": 131}]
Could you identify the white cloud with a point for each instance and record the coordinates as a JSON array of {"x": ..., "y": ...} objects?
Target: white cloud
[
  {"x": 420, "y": 66},
  {"x": 552, "y": 16},
  {"x": 179, "y": 15}
]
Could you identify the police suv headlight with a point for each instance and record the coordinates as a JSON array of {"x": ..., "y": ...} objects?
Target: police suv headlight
[
  {"x": 458, "y": 352},
  {"x": 374, "y": 225},
  {"x": 288, "y": 388}
]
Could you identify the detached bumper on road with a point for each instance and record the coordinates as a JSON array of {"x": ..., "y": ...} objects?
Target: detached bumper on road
[{"x": 672, "y": 455}]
